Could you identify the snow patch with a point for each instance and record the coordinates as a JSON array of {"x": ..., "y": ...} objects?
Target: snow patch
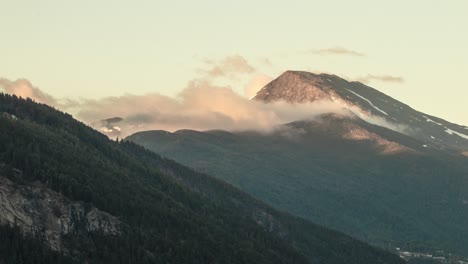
[
  {"x": 105, "y": 130},
  {"x": 432, "y": 121},
  {"x": 367, "y": 100},
  {"x": 451, "y": 132}
]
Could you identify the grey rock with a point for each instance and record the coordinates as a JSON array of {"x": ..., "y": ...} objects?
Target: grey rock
[{"x": 41, "y": 212}]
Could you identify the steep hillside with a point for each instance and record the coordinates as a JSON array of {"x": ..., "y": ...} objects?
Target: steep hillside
[{"x": 79, "y": 197}]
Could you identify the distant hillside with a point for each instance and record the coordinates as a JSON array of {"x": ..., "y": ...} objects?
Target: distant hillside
[{"x": 69, "y": 194}]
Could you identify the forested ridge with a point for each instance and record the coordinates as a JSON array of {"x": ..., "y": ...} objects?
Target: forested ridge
[{"x": 170, "y": 214}]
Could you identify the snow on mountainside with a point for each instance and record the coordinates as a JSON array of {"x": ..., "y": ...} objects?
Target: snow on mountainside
[{"x": 305, "y": 87}]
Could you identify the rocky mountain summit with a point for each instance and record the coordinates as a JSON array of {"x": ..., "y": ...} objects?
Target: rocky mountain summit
[{"x": 305, "y": 87}]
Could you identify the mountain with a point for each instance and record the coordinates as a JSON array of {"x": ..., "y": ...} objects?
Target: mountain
[
  {"x": 68, "y": 194},
  {"x": 344, "y": 171},
  {"x": 305, "y": 87}
]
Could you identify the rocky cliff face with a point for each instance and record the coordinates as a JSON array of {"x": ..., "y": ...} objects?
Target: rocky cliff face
[{"x": 44, "y": 213}]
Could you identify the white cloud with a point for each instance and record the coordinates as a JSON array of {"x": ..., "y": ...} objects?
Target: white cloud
[{"x": 257, "y": 82}]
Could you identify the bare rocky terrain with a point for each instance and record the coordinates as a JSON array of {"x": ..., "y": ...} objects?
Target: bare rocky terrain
[{"x": 43, "y": 213}]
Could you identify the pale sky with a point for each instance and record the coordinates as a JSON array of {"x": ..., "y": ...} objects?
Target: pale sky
[{"x": 100, "y": 48}]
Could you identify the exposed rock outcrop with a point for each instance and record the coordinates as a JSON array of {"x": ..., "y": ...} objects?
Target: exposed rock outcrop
[{"x": 41, "y": 212}]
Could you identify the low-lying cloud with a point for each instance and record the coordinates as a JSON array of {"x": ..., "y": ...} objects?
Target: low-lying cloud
[
  {"x": 25, "y": 89},
  {"x": 202, "y": 105}
]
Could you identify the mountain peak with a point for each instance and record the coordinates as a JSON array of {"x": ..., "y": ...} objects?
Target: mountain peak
[
  {"x": 298, "y": 87},
  {"x": 366, "y": 102}
]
